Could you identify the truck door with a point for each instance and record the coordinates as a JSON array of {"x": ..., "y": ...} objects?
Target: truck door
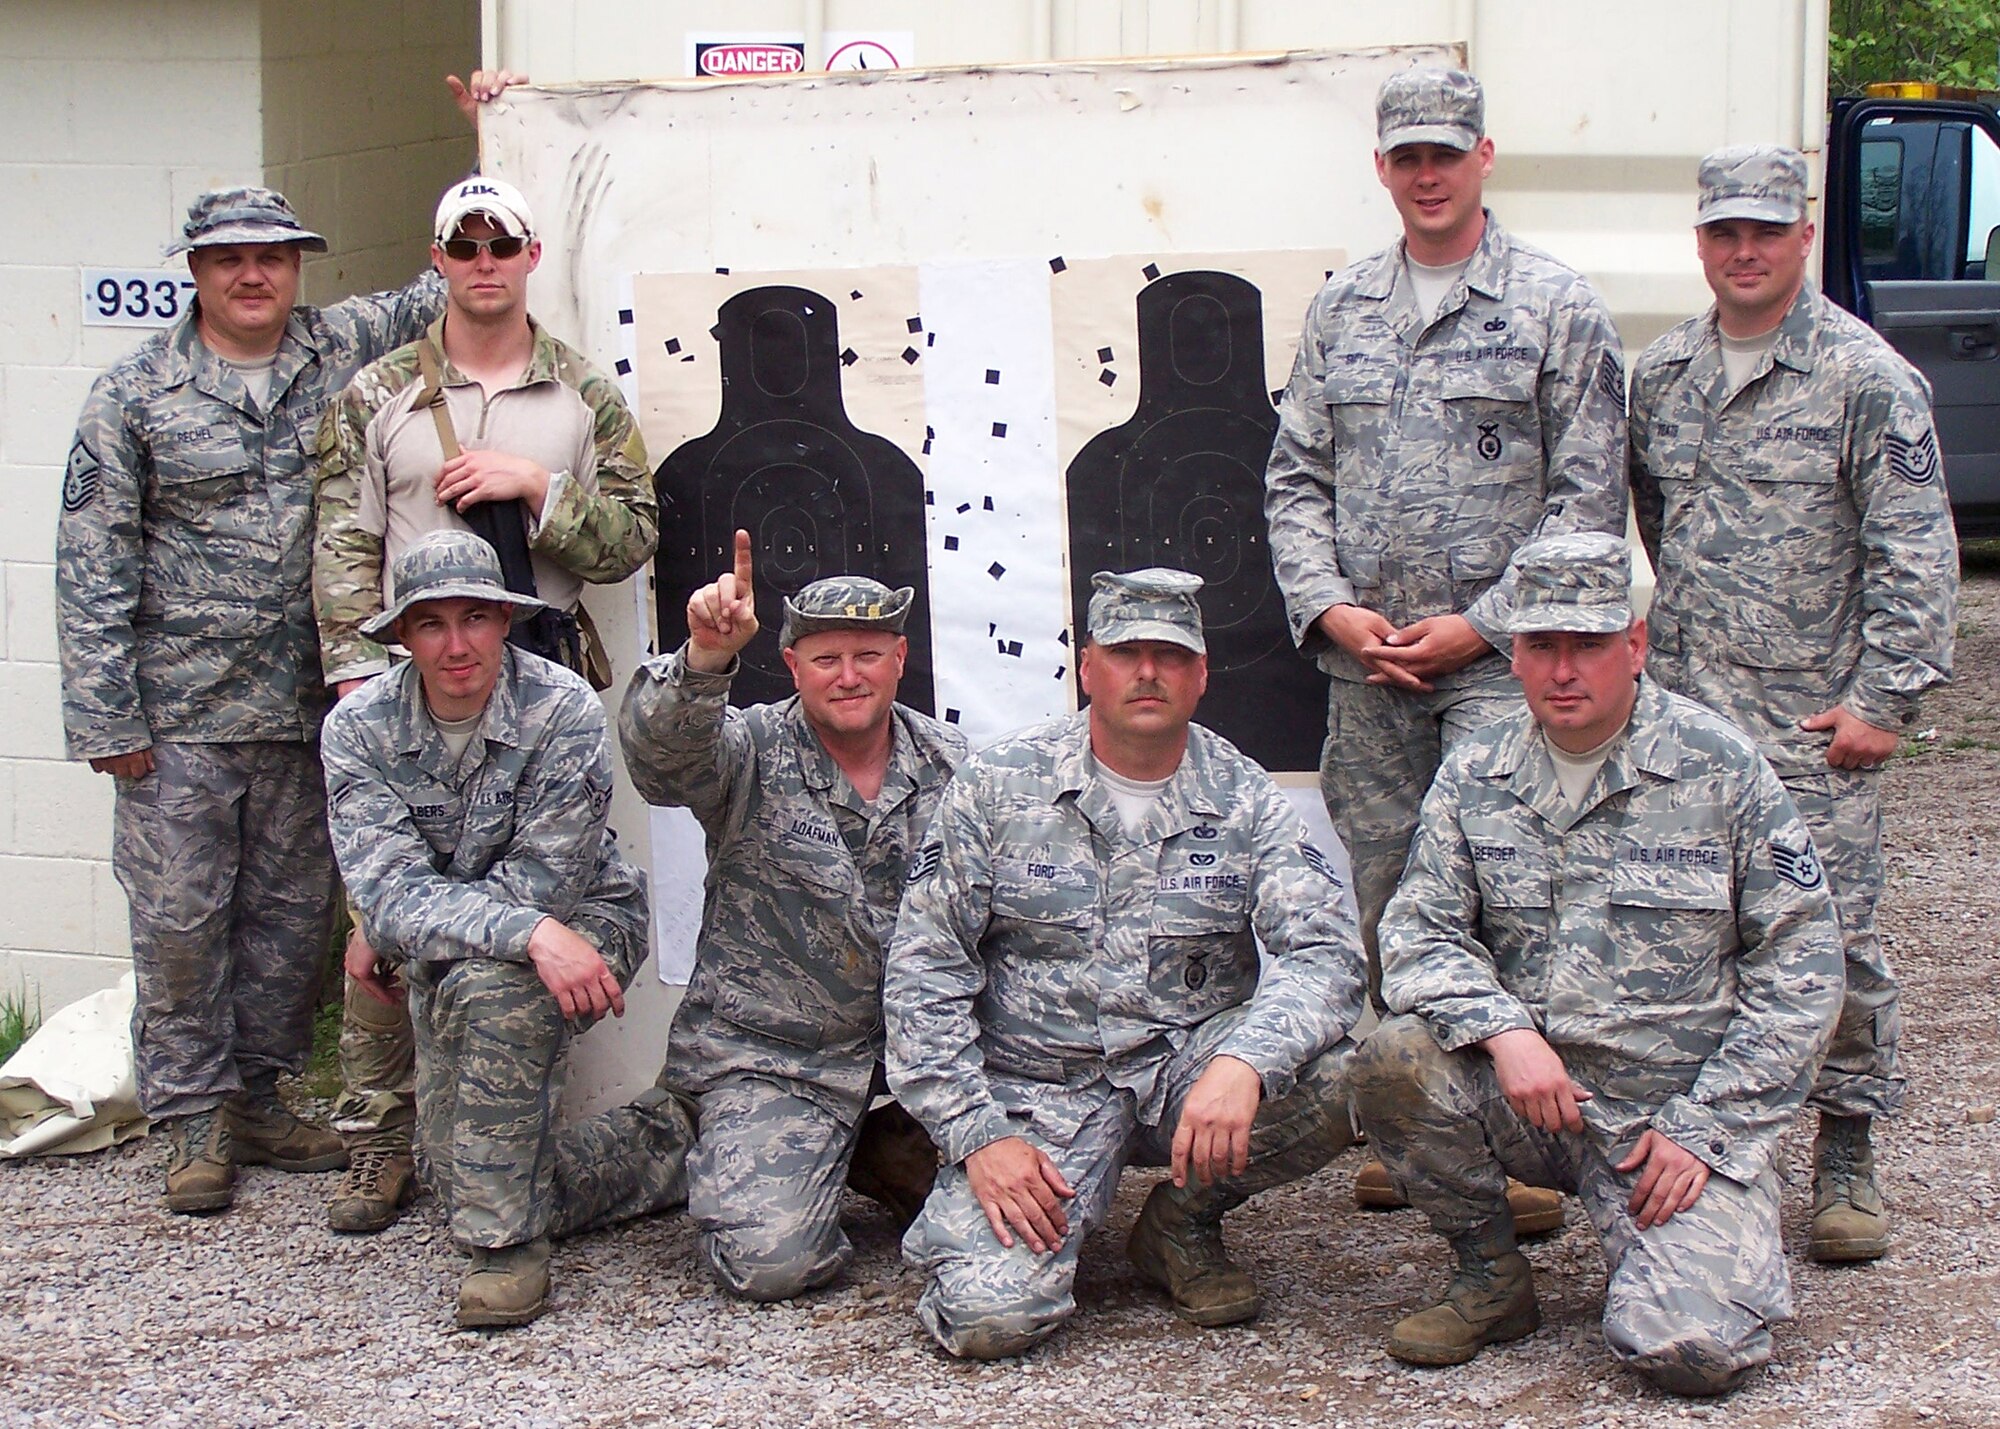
[{"x": 1913, "y": 247}]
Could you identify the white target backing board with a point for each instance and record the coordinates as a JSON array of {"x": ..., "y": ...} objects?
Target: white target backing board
[{"x": 963, "y": 198}]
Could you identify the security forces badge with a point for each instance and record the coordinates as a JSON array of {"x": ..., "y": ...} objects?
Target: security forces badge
[
  {"x": 82, "y": 477},
  {"x": 1797, "y": 865}
]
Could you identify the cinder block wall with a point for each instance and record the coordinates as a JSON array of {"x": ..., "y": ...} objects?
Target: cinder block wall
[
  {"x": 116, "y": 114},
  {"x": 360, "y": 132}
]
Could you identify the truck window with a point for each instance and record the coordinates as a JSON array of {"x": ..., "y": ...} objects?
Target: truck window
[
  {"x": 1914, "y": 185},
  {"x": 1982, "y": 246},
  {"x": 1881, "y": 201}
]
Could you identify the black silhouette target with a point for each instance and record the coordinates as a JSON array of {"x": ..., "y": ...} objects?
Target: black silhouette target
[
  {"x": 1182, "y": 484},
  {"x": 818, "y": 496}
]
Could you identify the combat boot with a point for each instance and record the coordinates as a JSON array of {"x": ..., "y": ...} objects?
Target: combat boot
[
  {"x": 1184, "y": 1256},
  {"x": 1849, "y": 1222},
  {"x": 371, "y": 1196},
  {"x": 266, "y": 1133},
  {"x": 505, "y": 1287},
  {"x": 894, "y": 1163},
  {"x": 201, "y": 1177},
  {"x": 1490, "y": 1301},
  {"x": 1537, "y": 1210},
  {"x": 1374, "y": 1191}
]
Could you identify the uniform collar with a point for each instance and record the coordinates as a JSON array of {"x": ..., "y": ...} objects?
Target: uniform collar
[
  {"x": 1485, "y": 273},
  {"x": 1651, "y": 748},
  {"x": 913, "y": 765},
  {"x": 500, "y": 723},
  {"x": 1699, "y": 346},
  {"x": 1190, "y": 798},
  {"x": 544, "y": 358},
  {"x": 195, "y": 362}
]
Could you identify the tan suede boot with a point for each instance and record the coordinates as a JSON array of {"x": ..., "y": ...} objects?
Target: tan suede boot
[
  {"x": 1374, "y": 1191},
  {"x": 894, "y": 1162},
  {"x": 1490, "y": 1300},
  {"x": 265, "y": 1132},
  {"x": 1185, "y": 1257},
  {"x": 505, "y": 1287},
  {"x": 1537, "y": 1210},
  {"x": 201, "y": 1177},
  {"x": 1849, "y": 1222},
  {"x": 379, "y": 1182}
]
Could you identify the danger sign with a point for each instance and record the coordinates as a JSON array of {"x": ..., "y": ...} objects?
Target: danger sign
[{"x": 743, "y": 57}]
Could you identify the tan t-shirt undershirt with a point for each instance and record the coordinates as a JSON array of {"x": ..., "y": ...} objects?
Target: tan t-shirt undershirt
[
  {"x": 1575, "y": 771},
  {"x": 1133, "y": 798},
  {"x": 1741, "y": 355}
]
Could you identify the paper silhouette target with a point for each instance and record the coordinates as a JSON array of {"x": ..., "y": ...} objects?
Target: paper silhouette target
[
  {"x": 818, "y": 496},
  {"x": 1182, "y": 484}
]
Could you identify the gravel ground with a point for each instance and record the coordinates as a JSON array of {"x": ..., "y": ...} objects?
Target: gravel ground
[{"x": 113, "y": 1311}]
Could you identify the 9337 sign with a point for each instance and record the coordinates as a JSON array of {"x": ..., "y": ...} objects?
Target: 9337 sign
[{"x": 135, "y": 297}]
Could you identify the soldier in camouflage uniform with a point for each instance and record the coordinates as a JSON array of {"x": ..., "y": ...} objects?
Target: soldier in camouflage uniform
[
  {"x": 1454, "y": 395},
  {"x": 468, "y": 795},
  {"x": 812, "y": 808},
  {"x": 1075, "y": 984},
  {"x": 1614, "y": 966},
  {"x": 191, "y": 674},
  {"x": 537, "y": 425},
  {"x": 1787, "y": 482}
]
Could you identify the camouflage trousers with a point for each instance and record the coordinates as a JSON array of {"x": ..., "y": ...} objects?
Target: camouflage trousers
[
  {"x": 1843, "y": 810},
  {"x": 490, "y": 1044},
  {"x": 378, "y": 1062},
  {"x": 223, "y": 855},
  {"x": 765, "y": 1184},
  {"x": 1382, "y": 750},
  {"x": 982, "y": 1300},
  {"x": 1688, "y": 1304}
]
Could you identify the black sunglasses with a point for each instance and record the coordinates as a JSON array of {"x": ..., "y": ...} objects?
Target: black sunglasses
[{"x": 464, "y": 250}]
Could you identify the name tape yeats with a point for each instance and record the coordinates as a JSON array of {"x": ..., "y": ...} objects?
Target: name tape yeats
[{"x": 135, "y": 297}]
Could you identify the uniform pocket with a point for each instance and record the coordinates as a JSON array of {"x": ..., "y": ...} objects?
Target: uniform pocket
[
  {"x": 1363, "y": 384},
  {"x": 1491, "y": 421}
]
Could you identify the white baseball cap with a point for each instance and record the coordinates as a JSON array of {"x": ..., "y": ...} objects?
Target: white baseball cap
[{"x": 495, "y": 198}]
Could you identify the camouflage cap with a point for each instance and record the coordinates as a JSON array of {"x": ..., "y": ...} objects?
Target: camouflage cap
[
  {"x": 844, "y": 603},
  {"x": 447, "y": 565},
  {"x": 1581, "y": 583},
  {"x": 1429, "y": 106},
  {"x": 243, "y": 215},
  {"x": 1157, "y": 603},
  {"x": 1759, "y": 181}
]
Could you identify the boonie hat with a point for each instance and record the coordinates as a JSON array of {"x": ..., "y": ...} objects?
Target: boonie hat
[
  {"x": 242, "y": 215},
  {"x": 496, "y": 198},
  {"x": 844, "y": 603},
  {"x": 1760, "y": 181},
  {"x": 1157, "y": 603},
  {"x": 447, "y": 565},
  {"x": 1428, "y": 105},
  {"x": 1579, "y": 583}
]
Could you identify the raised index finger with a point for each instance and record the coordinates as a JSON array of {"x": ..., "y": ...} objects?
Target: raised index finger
[{"x": 743, "y": 562}]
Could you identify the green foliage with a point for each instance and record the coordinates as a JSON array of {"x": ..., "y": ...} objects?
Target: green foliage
[
  {"x": 1940, "y": 41},
  {"x": 321, "y": 1078},
  {"x": 18, "y": 1022}
]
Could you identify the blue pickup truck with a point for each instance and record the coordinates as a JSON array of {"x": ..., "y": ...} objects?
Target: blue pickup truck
[{"x": 1912, "y": 246}]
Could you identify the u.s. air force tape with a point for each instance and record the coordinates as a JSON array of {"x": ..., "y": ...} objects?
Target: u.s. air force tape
[
  {"x": 1797, "y": 865},
  {"x": 925, "y": 863}
]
